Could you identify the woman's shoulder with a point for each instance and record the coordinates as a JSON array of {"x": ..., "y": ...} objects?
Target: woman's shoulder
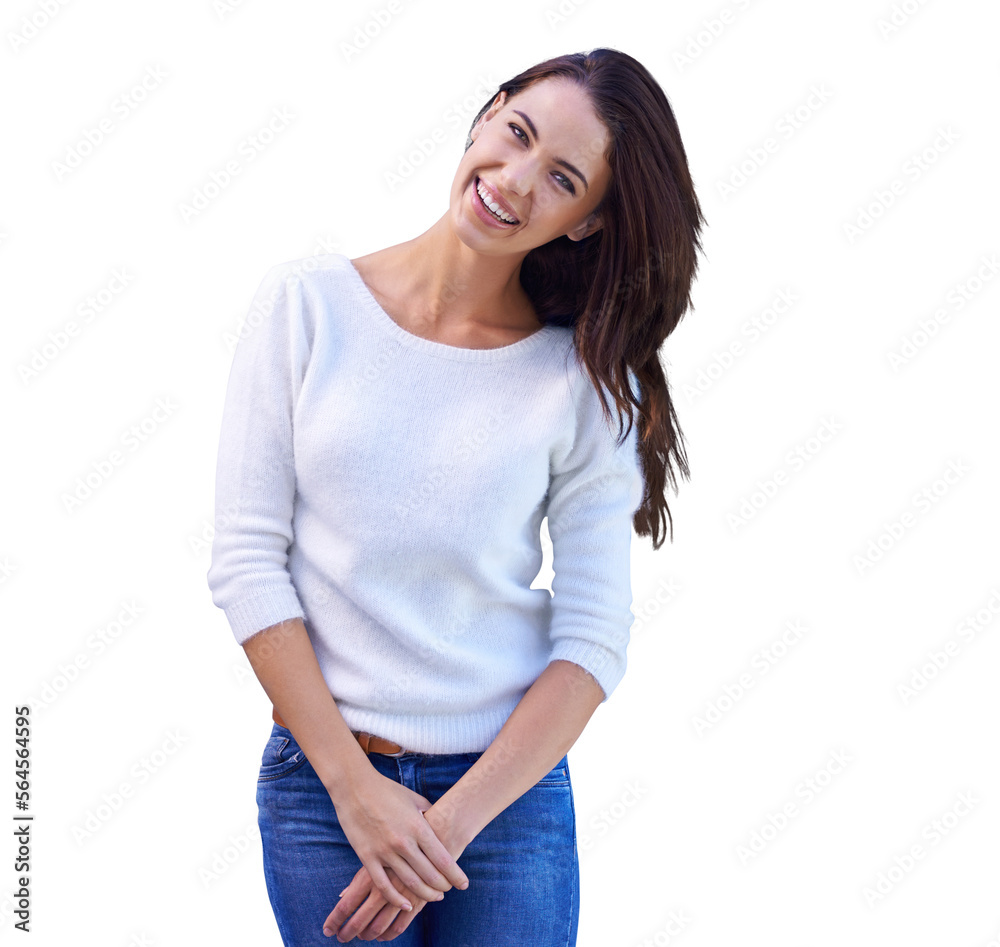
[
  {"x": 317, "y": 283},
  {"x": 304, "y": 267},
  {"x": 306, "y": 294},
  {"x": 373, "y": 265}
]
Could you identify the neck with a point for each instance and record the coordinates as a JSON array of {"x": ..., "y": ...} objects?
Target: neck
[{"x": 454, "y": 284}]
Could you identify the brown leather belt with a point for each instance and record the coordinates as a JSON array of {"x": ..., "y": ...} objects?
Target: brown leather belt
[{"x": 369, "y": 742}]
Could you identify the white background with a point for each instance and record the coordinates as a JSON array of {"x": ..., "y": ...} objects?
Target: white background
[{"x": 667, "y": 810}]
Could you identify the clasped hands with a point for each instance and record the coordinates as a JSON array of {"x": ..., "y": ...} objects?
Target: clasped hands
[{"x": 417, "y": 842}]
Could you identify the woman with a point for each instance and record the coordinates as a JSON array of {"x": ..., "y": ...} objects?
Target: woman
[{"x": 396, "y": 428}]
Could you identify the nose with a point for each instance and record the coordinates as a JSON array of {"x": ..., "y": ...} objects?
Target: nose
[
  {"x": 515, "y": 178},
  {"x": 525, "y": 176}
]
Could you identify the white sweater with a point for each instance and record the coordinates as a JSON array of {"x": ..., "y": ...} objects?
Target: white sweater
[{"x": 389, "y": 490}]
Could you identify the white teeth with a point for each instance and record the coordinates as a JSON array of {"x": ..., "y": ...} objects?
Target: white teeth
[{"x": 493, "y": 205}]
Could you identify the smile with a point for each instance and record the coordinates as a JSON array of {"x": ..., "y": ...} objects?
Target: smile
[{"x": 492, "y": 206}]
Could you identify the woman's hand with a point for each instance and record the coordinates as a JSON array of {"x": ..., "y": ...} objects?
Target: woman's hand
[
  {"x": 385, "y": 824},
  {"x": 372, "y": 917}
]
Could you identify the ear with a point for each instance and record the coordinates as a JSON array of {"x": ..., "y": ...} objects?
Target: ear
[
  {"x": 498, "y": 102},
  {"x": 591, "y": 225}
]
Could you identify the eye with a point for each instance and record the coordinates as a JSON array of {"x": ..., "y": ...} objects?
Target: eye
[
  {"x": 568, "y": 183},
  {"x": 564, "y": 182},
  {"x": 518, "y": 132}
]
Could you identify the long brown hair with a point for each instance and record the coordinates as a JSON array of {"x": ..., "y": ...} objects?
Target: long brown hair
[{"x": 624, "y": 288}]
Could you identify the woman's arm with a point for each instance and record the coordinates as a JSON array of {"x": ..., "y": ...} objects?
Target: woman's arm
[
  {"x": 382, "y": 820},
  {"x": 541, "y": 729}
]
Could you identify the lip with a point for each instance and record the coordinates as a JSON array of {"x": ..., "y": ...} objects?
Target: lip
[{"x": 496, "y": 197}]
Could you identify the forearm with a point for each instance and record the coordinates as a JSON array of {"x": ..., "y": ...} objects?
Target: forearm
[
  {"x": 539, "y": 732},
  {"x": 284, "y": 661}
]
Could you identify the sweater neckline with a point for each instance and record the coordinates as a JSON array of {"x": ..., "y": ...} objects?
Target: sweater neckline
[{"x": 442, "y": 349}]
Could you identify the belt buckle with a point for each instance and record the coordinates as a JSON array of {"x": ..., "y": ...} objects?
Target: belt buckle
[{"x": 401, "y": 752}]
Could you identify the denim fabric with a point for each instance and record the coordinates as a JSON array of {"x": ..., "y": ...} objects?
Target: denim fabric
[{"x": 522, "y": 868}]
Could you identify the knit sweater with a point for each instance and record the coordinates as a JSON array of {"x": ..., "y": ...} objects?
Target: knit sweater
[{"x": 389, "y": 490}]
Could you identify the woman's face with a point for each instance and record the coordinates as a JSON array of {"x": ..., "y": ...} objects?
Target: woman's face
[{"x": 540, "y": 156}]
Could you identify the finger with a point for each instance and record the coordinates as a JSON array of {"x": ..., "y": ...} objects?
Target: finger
[
  {"x": 402, "y": 921},
  {"x": 363, "y": 917},
  {"x": 354, "y": 895},
  {"x": 411, "y": 880},
  {"x": 384, "y": 885},
  {"x": 378, "y": 925},
  {"x": 376, "y": 930},
  {"x": 423, "y": 803},
  {"x": 443, "y": 862},
  {"x": 351, "y": 898},
  {"x": 416, "y": 870},
  {"x": 390, "y": 923}
]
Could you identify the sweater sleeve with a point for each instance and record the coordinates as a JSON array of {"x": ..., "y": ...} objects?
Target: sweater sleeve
[
  {"x": 595, "y": 488},
  {"x": 255, "y": 473}
]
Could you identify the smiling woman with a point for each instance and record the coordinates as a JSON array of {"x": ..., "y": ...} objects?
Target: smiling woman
[
  {"x": 527, "y": 179},
  {"x": 395, "y": 432}
]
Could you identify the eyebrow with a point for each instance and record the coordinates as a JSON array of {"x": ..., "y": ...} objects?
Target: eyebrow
[{"x": 565, "y": 164}]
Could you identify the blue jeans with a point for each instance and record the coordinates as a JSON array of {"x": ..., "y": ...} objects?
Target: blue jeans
[{"x": 524, "y": 882}]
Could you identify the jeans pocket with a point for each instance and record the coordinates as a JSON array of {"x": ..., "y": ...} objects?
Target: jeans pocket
[{"x": 281, "y": 756}]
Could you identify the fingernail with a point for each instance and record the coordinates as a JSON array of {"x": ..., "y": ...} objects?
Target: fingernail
[
  {"x": 341, "y": 893},
  {"x": 407, "y": 906}
]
